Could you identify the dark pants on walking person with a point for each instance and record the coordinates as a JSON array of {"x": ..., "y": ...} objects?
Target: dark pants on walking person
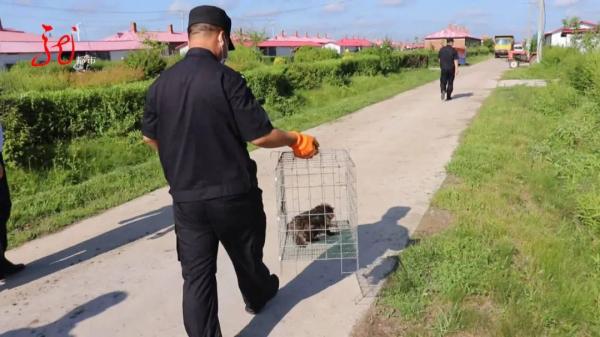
[
  {"x": 5, "y": 206},
  {"x": 239, "y": 223},
  {"x": 447, "y": 82}
]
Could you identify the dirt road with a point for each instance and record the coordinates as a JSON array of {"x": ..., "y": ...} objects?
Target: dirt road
[{"x": 117, "y": 274}]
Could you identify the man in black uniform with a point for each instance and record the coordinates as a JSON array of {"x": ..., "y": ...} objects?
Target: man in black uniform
[
  {"x": 199, "y": 115},
  {"x": 6, "y": 267},
  {"x": 449, "y": 65}
]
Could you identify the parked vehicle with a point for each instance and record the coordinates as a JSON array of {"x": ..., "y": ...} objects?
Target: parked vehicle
[
  {"x": 519, "y": 55},
  {"x": 503, "y": 45}
]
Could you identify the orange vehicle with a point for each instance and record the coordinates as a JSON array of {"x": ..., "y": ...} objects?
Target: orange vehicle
[{"x": 519, "y": 55}]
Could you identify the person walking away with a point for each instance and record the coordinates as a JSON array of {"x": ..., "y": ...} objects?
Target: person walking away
[
  {"x": 199, "y": 115},
  {"x": 7, "y": 268},
  {"x": 448, "y": 57}
]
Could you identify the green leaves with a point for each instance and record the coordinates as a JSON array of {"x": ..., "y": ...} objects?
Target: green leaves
[
  {"x": 35, "y": 121},
  {"x": 148, "y": 60}
]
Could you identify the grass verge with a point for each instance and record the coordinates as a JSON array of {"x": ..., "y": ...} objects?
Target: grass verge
[
  {"x": 522, "y": 256},
  {"x": 104, "y": 172}
]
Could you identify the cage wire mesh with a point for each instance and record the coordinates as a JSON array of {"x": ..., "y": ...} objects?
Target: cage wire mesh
[{"x": 317, "y": 208}]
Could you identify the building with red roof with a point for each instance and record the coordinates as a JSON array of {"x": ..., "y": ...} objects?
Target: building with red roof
[
  {"x": 18, "y": 45},
  {"x": 563, "y": 36},
  {"x": 353, "y": 44},
  {"x": 461, "y": 35},
  {"x": 285, "y": 45},
  {"x": 171, "y": 38}
]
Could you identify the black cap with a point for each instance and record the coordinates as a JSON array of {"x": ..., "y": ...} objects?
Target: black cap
[
  {"x": 213, "y": 16},
  {"x": 450, "y": 40}
]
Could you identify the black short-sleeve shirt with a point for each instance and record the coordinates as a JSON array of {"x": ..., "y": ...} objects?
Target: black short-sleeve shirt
[
  {"x": 447, "y": 56},
  {"x": 202, "y": 114}
]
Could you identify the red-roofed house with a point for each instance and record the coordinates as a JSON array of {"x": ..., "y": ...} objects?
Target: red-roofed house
[
  {"x": 562, "y": 37},
  {"x": 239, "y": 39},
  {"x": 285, "y": 45},
  {"x": 171, "y": 38},
  {"x": 461, "y": 35},
  {"x": 350, "y": 44},
  {"x": 18, "y": 46},
  {"x": 15, "y": 46}
]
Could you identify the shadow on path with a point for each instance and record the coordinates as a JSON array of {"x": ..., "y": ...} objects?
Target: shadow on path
[
  {"x": 158, "y": 222},
  {"x": 464, "y": 95},
  {"x": 63, "y": 326},
  {"x": 374, "y": 241}
]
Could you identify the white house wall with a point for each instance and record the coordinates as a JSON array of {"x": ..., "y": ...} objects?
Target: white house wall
[
  {"x": 119, "y": 54},
  {"x": 10, "y": 59}
]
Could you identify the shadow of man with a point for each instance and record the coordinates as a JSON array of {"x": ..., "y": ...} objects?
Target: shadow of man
[
  {"x": 63, "y": 326},
  {"x": 375, "y": 241},
  {"x": 463, "y": 95},
  {"x": 159, "y": 222}
]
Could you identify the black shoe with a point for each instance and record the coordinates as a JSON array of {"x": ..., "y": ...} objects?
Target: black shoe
[
  {"x": 448, "y": 98},
  {"x": 274, "y": 290},
  {"x": 8, "y": 268}
]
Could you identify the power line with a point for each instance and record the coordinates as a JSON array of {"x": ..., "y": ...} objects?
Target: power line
[{"x": 95, "y": 11}]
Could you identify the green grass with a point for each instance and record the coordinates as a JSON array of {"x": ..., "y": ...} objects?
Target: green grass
[
  {"x": 100, "y": 173},
  {"x": 522, "y": 256},
  {"x": 534, "y": 71}
]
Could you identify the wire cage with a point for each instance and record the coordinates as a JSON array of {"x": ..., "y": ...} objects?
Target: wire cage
[{"x": 317, "y": 208}]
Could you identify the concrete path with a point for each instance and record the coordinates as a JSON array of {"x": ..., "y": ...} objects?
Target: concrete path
[
  {"x": 527, "y": 83},
  {"x": 117, "y": 274}
]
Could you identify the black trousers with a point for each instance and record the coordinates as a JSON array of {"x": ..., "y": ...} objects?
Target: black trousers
[
  {"x": 447, "y": 81},
  {"x": 239, "y": 223},
  {"x": 5, "y": 206}
]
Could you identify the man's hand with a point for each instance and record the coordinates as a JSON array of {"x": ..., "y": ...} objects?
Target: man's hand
[
  {"x": 305, "y": 146},
  {"x": 151, "y": 142},
  {"x": 1, "y": 171}
]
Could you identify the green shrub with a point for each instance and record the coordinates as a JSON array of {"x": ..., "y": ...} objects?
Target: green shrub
[
  {"x": 23, "y": 77},
  {"x": 312, "y": 75},
  {"x": 313, "y": 54},
  {"x": 244, "y": 58},
  {"x": 148, "y": 60},
  {"x": 366, "y": 65},
  {"x": 268, "y": 83},
  {"x": 277, "y": 61},
  {"x": 35, "y": 122},
  {"x": 475, "y": 51},
  {"x": 172, "y": 59}
]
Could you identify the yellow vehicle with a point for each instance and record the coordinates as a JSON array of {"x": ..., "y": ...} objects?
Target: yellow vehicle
[{"x": 503, "y": 45}]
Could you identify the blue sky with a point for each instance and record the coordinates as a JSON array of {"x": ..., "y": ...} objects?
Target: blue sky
[{"x": 396, "y": 19}]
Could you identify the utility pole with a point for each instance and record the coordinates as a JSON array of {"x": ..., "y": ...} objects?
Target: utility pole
[{"x": 541, "y": 28}]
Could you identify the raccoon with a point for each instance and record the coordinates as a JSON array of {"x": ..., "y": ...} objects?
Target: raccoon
[{"x": 308, "y": 225}]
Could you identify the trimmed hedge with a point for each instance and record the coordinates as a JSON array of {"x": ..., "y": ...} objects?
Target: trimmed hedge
[
  {"x": 38, "y": 123},
  {"x": 474, "y": 51},
  {"x": 313, "y": 54},
  {"x": 35, "y": 122}
]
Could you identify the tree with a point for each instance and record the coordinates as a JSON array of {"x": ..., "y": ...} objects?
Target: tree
[
  {"x": 489, "y": 44},
  {"x": 257, "y": 37},
  {"x": 572, "y": 22},
  {"x": 582, "y": 40},
  {"x": 533, "y": 44}
]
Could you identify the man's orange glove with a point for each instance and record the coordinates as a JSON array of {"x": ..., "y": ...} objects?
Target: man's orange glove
[{"x": 305, "y": 146}]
